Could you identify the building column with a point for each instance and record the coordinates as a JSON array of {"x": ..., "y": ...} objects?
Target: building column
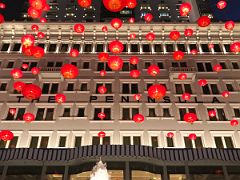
[
  {"x": 4, "y": 173},
  {"x": 43, "y": 174},
  {"x": 127, "y": 171},
  {"x": 65, "y": 176},
  {"x": 165, "y": 174},
  {"x": 187, "y": 172},
  {"x": 225, "y": 172}
]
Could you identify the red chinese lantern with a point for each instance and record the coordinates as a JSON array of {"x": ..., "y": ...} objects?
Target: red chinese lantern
[
  {"x": 186, "y": 96},
  {"x": 31, "y": 91},
  {"x": 18, "y": 86},
  {"x": 37, "y": 4},
  {"x": 2, "y": 6},
  {"x": 202, "y": 82},
  {"x": 27, "y": 51},
  {"x": 134, "y": 60},
  {"x": 40, "y": 35},
  {"x": 79, "y": 28},
  {"x": 103, "y": 56},
  {"x": 46, "y": 7},
  {"x": 211, "y": 113},
  {"x": 69, "y": 71},
  {"x": 132, "y": 36},
  {"x": 150, "y": 36},
  {"x": 135, "y": 73},
  {"x": 116, "y": 47},
  {"x": 188, "y": 32},
  {"x": 43, "y": 20},
  {"x": 221, "y": 4},
  {"x": 1, "y": 18},
  {"x": 148, "y": 17},
  {"x": 16, "y": 73},
  {"x": 34, "y": 13},
  {"x": 35, "y": 70},
  {"x": 85, "y": 3},
  {"x": 25, "y": 66},
  {"x": 217, "y": 67},
  {"x": 153, "y": 70},
  {"x": 114, "y": 5},
  {"x": 131, "y": 20},
  {"x": 35, "y": 27},
  {"x": 101, "y": 134},
  {"x": 74, "y": 53},
  {"x": 211, "y": 46},
  {"x": 38, "y": 52},
  {"x": 192, "y": 136},
  {"x": 174, "y": 35},
  {"x": 229, "y": 25},
  {"x": 225, "y": 94},
  {"x": 138, "y": 118},
  {"x": 182, "y": 76},
  {"x": 234, "y": 122},
  {"x": 131, "y": 4},
  {"x": 27, "y": 40},
  {"x": 137, "y": 97},
  {"x": 116, "y": 23},
  {"x": 157, "y": 91},
  {"x": 60, "y": 98},
  {"x": 185, "y": 8},
  {"x": 170, "y": 134},
  {"x": 12, "y": 111},
  {"x": 235, "y": 47},
  {"x": 204, "y": 21},
  {"x": 115, "y": 63},
  {"x": 194, "y": 51},
  {"x": 104, "y": 29},
  {"x": 6, "y": 135},
  {"x": 28, "y": 117},
  {"x": 178, "y": 55},
  {"x": 190, "y": 117},
  {"x": 103, "y": 73},
  {"x": 102, "y": 89},
  {"x": 101, "y": 115}
]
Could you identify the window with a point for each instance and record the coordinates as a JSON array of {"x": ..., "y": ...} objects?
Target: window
[
  {"x": 128, "y": 67},
  {"x": 154, "y": 140},
  {"x": 181, "y": 47},
  {"x": 39, "y": 142},
  {"x": 45, "y": 114},
  {"x": 230, "y": 87},
  {"x": 223, "y": 64},
  {"x": 9, "y": 144},
  {"x": 151, "y": 112},
  {"x": 145, "y": 48},
  {"x": 160, "y": 65},
  {"x": 107, "y": 112},
  {"x": 204, "y": 67},
  {"x": 50, "y": 88},
  {"x": 66, "y": 112},
  {"x": 88, "y": 48},
  {"x": 96, "y": 140},
  {"x": 197, "y": 143},
  {"x": 170, "y": 142},
  {"x": 166, "y": 112},
  {"x": 70, "y": 87},
  {"x": 54, "y": 64},
  {"x": 3, "y": 86},
  {"x": 183, "y": 111},
  {"x": 235, "y": 65},
  {"x": 76, "y": 46},
  {"x": 158, "y": 48},
  {"x": 78, "y": 141},
  {"x": 132, "y": 140},
  {"x": 10, "y": 64},
  {"x": 99, "y": 48},
  {"x": 81, "y": 112},
  {"x": 217, "y": 48},
  {"x": 169, "y": 47},
  {"x": 64, "y": 48},
  {"x": 5, "y": 47},
  {"x": 179, "y": 64},
  {"x": 210, "y": 89},
  {"x": 84, "y": 87},
  {"x": 146, "y": 65},
  {"x": 227, "y": 47},
  {"x": 181, "y": 88},
  {"x": 205, "y": 48},
  {"x": 128, "y": 113},
  {"x": 16, "y": 47},
  {"x": 52, "y": 47},
  {"x": 220, "y": 114},
  {"x": 134, "y": 48},
  {"x": 107, "y": 85},
  {"x": 126, "y": 140},
  {"x": 223, "y": 142},
  {"x": 17, "y": 116},
  {"x": 103, "y": 66},
  {"x": 129, "y": 88},
  {"x": 236, "y": 112},
  {"x": 62, "y": 141},
  {"x": 85, "y": 65}
]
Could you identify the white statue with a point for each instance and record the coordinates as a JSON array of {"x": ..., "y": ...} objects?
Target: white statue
[{"x": 99, "y": 172}]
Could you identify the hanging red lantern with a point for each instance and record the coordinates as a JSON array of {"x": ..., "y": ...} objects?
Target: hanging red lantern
[
  {"x": 41, "y": 35},
  {"x": 178, "y": 55},
  {"x": 235, "y": 47},
  {"x": 190, "y": 117},
  {"x": 85, "y": 3},
  {"x": 104, "y": 29},
  {"x": 12, "y": 111},
  {"x": 204, "y": 21},
  {"x": 102, "y": 89},
  {"x": 60, "y": 98},
  {"x": 6, "y": 135},
  {"x": 131, "y": 4},
  {"x": 28, "y": 117},
  {"x": 186, "y": 96},
  {"x": 27, "y": 40},
  {"x": 221, "y": 4},
  {"x": 153, "y": 70},
  {"x": 150, "y": 36},
  {"x": 35, "y": 70},
  {"x": 234, "y": 122},
  {"x": 188, "y": 32},
  {"x": 43, "y": 20},
  {"x": 211, "y": 113},
  {"x": 16, "y": 73},
  {"x": 217, "y": 67},
  {"x": 134, "y": 60},
  {"x": 185, "y": 8},
  {"x": 132, "y": 36},
  {"x": 131, "y": 20},
  {"x": 103, "y": 73},
  {"x": 157, "y": 91},
  {"x": 38, "y": 52},
  {"x": 18, "y": 85},
  {"x": 115, "y": 47},
  {"x": 202, "y": 82},
  {"x": 31, "y": 91},
  {"x": 103, "y": 56},
  {"x": 1, "y": 18},
  {"x": 69, "y": 71},
  {"x": 34, "y": 13},
  {"x": 137, "y": 97},
  {"x": 225, "y": 94},
  {"x": 211, "y": 46},
  {"x": 229, "y": 25},
  {"x": 115, "y": 63},
  {"x": 135, "y": 73},
  {"x": 174, "y": 35},
  {"x": 37, "y": 4},
  {"x": 148, "y": 17},
  {"x": 28, "y": 51},
  {"x": 194, "y": 51},
  {"x": 114, "y": 5},
  {"x": 101, "y": 115},
  {"x": 35, "y": 27},
  {"x": 2, "y": 5},
  {"x": 182, "y": 76},
  {"x": 46, "y": 7},
  {"x": 170, "y": 134},
  {"x": 24, "y": 66},
  {"x": 74, "y": 53},
  {"x": 192, "y": 136},
  {"x": 101, "y": 134},
  {"x": 138, "y": 118},
  {"x": 79, "y": 28},
  {"x": 116, "y": 23}
]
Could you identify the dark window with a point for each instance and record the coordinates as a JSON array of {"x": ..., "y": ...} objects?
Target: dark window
[
  {"x": 236, "y": 112},
  {"x": 125, "y": 89},
  {"x": 64, "y": 48},
  {"x": 99, "y": 48},
  {"x": 20, "y": 114},
  {"x": 62, "y": 141},
  {"x": 166, "y": 112},
  {"x": 227, "y": 47},
  {"x": 76, "y": 46},
  {"x": 134, "y": 48},
  {"x": 206, "y": 89},
  {"x": 126, "y": 114},
  {"x": 136, "y": 140},
  {"x": 44, "y": 142},
  {"x": 109, "y": 88},
  {"x": 3, "y": 87},
  {"x": 13, "y": 142},
  {"x": 214, "y": 89},
  {"x": 149, "y": 85},
  {"x": 97, "y": 86},
  {"x": 45, "y": 88},
  {"x": 125, "y": 49},
  {"x": 10, "y": 64},
  {"x": 230, "y": 87},
  {"x": 211, "y": 118},
  {"x": 175, "y": 64},
  {"x": 5, "y": 47},
  {"x": 88, "y": 48},
  {"x": 58, "y": 64},
  {"x": 218, "y": 142},
  {"x": 217, "y": 48},
  {"x": 182, "y": 112},
  {"x": 223, "y": 64},
  {"x": 32, "y": 64},
  {"x": 74, "y": 63},
  {"x": 86, "y": 65},
  {"x": 160, "y": 65},
  {"x": 151, "y": 112},
  {"x": 3, "y": 145},
  {"x": 49, "y": 114},
  {"x": 192, "y": 46},
  {"x": 235, "y": 65},
  {"x": 34, "y": 142},
  {"x": 179, "y": 89},
  {"x": 154, "y": 140},
  {"x": 125, "y": 66},
  {"x": 66, "y": 112},
  {"x": 146, "y": 48},
  {"x": 54, "y": 88},
  {"x": 198, "y": 142},
  {"x": 50, "y": 64},
  {"x": 126, "y": 140},
  {"x": 134, "y": 111},
  {"x": 41, "y": 45},
  {"x": 106, "y": 140},
  {"x": 16, "y": 47},
  {"x": 147, "y": 64},
  {"x": 95, "y": 140},
  {"x": 187, "y": 88},
  {"x": 205, "y": 48},
  {"x": 169, "y": 47},
  {"x": 200, "y": 67},
  {"x": 221, "y": 115},
  {"x": 183, "y": 64},
  {"x": 52, "y": 47},
  {"x": 134, "y": 88},
  {"x": 208, "y": 67},
  {"x": 181, "y": 47},
  {"x": 40, "y": 113},
  {"x": 83, "y": 87},
  {"x": 70, "y": 87},
  {"x": 188, "y": 142},
  {"x": 228, "y": 141},
  {"x": 107, "y": 112},
  {"x": 170, "y": 142},
  {"x": 96, "y": 111},
  {"x": 81, "y": 112},
  {"x": 100, "y": 66},
  {"x": 158, "y": 48},
  {"x": 78, "y": 141}
]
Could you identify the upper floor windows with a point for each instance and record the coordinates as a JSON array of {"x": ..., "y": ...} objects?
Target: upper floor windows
[
  {"x": 50, "y": 88},
  {"x": 130, "y": 88},
  {"x": 39, "y": 142},
  {"x": 210, "y": 89},
  {"x": 44, "y": 114},
  {"x": 197, "y": 143},
  {"x": 223, "y": 142},
  {"x": 204, "y": 67},
  {"x": 16, "y": 116}
]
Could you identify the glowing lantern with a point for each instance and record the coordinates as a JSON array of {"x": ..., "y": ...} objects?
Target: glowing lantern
[
  {"x": 16, "y": 73},
  {"x": 103, "y": 56},
  {"x": 170, "y": 134},
  {"x": 79, "y": 28},
  {"x": 1, "y": 18},
  {"x": 101, "y": 134},
  {"x": 69, "y": 71},
  {"x": 43, "y": 20},
  {"x": 40, "y": 35},
  {"x": 114, "y": 5},
  {"x": 104, "y": 29},
  {"x": 190, "y": 117},
  {"x": 37, "y": 4},
  {"x": 185, "y": 8},
  {"x": 12, "y": 111},
  {"x": 217, "y": 67},
  {"x": 34, "y": 13},
  {"x": 6, "y": 135},
  {"x": 150, "y": 36},
  {"x": 229, "y": 25},
  {"x": 2, "y": 6},
  {"x": 103, "y": 73},
  {"x": 18, "y": 86},
  {"x": 137, "y": 97},
  {"x": 35, "y": 27},
  {"x": 235, "y": 47},
  {"x": 221, "y": 4},
  {"x": 102, "y": 89},
  {"x": 27, "y": 40},
  {"x": 135, "y": 73},
  {"x": 28, "y": 117},
  {"x": 116, "y": 47},
  {"x": 234, "y": 122},
  {"x": 148, "y": 17},
  {"x": 156, "y": 91},
  {"x": 131, "y": 20},
  {"x": 35, "y": 70},
  {"x": 211, "y": 113},
  {"x": 211, "y": 46},
  {"x": 153, "y": 70},
  {"x": 25, "y": 66},
  {"x": 188, "y": 32},
  {"x": 60, "y": 98},
  {"x": 84, "y": 3},
  {"x": 194, "y": 51},
  {"x": 131, "y": 4},
  {"x": 174, "y": 35},
  {"x": 116, "y": 23},
  {"x": 225, "y": 94},
  {"x": 115, "y": 63},
  {"x": 186, "y": 96},
  {"x": 138, "y": 118},
  {"x": 46, "y": 7},
  {"x": 192, "y": 136},
  {"x": 134, "y": 60},
  {"x": 28, "y": 51},
  {"x": 182, "y": 76},
  {"x": 101, "y": 115},
  {"x": 204, "y": 21},
  {"x": 38, "y": 52},
  {"x": 74, "y": 53},
  {"x": 132, "y": 36},
  {"x": 202, "y": 82},
  {"x": 178, "y": 55},
  {"x": 31, "y": 91}
]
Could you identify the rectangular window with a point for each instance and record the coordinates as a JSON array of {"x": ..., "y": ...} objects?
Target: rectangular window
[
  {"x": 88, "y": 48},
  {"x": 170, "y": 142},
  {"x": 136, "y": 140},
  {"x": 146, "y": 48},
  {"x": 66, "y": 112},
  {"x": 49, "y": 114},
  {"x": 235, "y": 65},
  {"x": 83, "y": 87},
  {"x": 54, "y": 88},
  {"x": 99, "y": 48},
  {"x": 20, "y": 114},
  {"x": 214, "y": 88},
  {"x": 181, "y": 47},
  {"x": 179, "y": 89},
  {"x": 45, "y": 88},
  {"x": 236, "y": 112},
  {"x": 78, "y": 141},
  {"x": 16, "y": 47},
  {"x": 34, "y": 142},
  {"x": 151, "y": 112},
  {"x": 86, "y": 65},
  {"x": 158, "y": 48},
  {"x": 44, "y": 142},
  {"x": 81, "y": 112},
  {"x": 205, "y": 48},
  {"x": 126, "y": 140},
  {"x": 64, "y": 48},
  {"x": 126, "y": 114},
  {"x": 76, "y": 46},
  {"x": 52, "y": 47},
  {"x": 95, "y": 140},
  {"x": 134, "y": 48},
  {"x": 106, "y": 140},
  {"x": 217, "y": 48},
  {"x": 223, "y": 142},
  {"x": 40, "y": 114},
  {"x": 166, "y": 112},
  {"x": 70, "y": 87},
  {"x": 169, "y": 47},
  {"x": 146, "y": 65},
  {"x": 5, "y": 47},
  {"x": 62, "y": 141},
  {"x": 160, "y": 65},
  {"x": 10, "y": 64},
  {"x": 13, "y": 142},
  {"x": 230, "y": 87},
  {"x": 107, "y": 112},
  {"x": 223, "y": 64},
  {"x": 188, "y": 142},
  {"x": 182, "y": 112},
  {"x": 154, "y": 140}
]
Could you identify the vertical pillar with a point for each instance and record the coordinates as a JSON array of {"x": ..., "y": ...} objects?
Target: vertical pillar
[
  {"x": 4, "y": 173},
  {"x": 226, "y": 177},
  {"x": 43, "y": 174},
  {"x": 127, "y": 172},
  {"x": 187, "y": 172},
  {"x": 65, "y": 176},
  {"x": 165, "y": 174}
]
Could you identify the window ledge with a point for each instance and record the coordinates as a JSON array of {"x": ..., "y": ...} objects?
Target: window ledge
[
  {"x": 22, "y": 121},
  {"x": 101, "y": 121},
  {"x": 126, "y": 121},
  {"x": 3, "y": 91},
  {"x": 211, "y": 95},
  {"x": 79, "y": 118},
  {"x": 213, "y": 122},
  {"x": 112, "y": 72},
  {"x": 112, "y": 94},
  {"x": 196, "y": 122},
  {"x": 12, "y": 94},
  {"x": 82, "y": 91}
]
